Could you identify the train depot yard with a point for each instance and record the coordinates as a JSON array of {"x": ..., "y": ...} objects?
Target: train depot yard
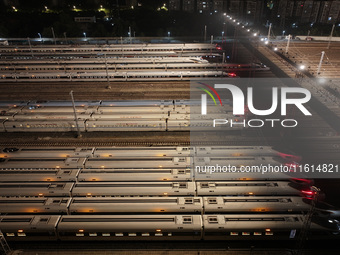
[{"x": 113, "y": 160}]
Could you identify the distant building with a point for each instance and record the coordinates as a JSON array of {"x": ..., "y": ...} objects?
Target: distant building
[
  {"x": 188, "y": 5},
  {"x": 313, "y": 11},
  {"x": 175, "y": 5}
]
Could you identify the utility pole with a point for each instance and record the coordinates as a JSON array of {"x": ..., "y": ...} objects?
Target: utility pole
[
  {"x": 270, "y": 27},
  {"x": 330, "y": 37},
  {"x": 205, "y": 33},
  {"x": 130, "y": 35},
  {"x": 29, "y": 43},
  {"x": 320, "y": 63},
  {"x": 75, "y": 115},
  {"x": 287, "y": 47},
  {"x": 107, "y": 72},
  {"x": 55, "y": 42},
  {"x": 65, "y": 37},
  {"x": 211, "y": 39}
]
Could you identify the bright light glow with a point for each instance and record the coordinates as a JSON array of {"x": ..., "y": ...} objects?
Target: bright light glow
[
  {"x": 248, "y": 30},
  {"x": 268, "y": 229},
  {"x": 238, "y": 23},
  {"x": 234, "y": 20},
  {"x": 262, "y": 39},
  {"x": 275, "y": 49},
  {"x": 224, "y": 14},
  {"x": 158, "y": 230},
  {"x": 255, "y": 34},
  {"x": 266, "y": 42},
  {"x": 302, "y": 67},
  {"x": 74, "y": 7},
  {"x": 20, "y": 230},
  {"x": 81, "y": 230}
]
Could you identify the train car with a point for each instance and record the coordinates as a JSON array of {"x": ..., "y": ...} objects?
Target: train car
[
  {"x": 37, "y": 189},
  {"x": 264, "y": 227},
  {"x": 69, "y": 116},
  {"x": 41, "y": 163},
  {"x": 135, "y": 174},
  {"x": 38, "y": 175},
  {"x": 34, "y": 205},
  {"x": 248, "y": 188},
  {"x": 130, "y": 227},
  {"x": 175, "y": 151},
  {"x": 93, "y": 125},
  {"x": 141, "y": 162},
  {"x": 119, "y": 205},
  {"x": 129, "y": 115},
  {"x": 235, "y": 151},
  {"x": 42, "y": 125},
  {"x": 46, "y": 152},
  {"x": 133, "y": 189},
  {"x": 30, "y": 227},
  {"x": 258, "y": 204},
  {"x": 62, "y": 109}
]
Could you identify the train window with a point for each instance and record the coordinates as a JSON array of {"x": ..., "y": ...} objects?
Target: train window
[
  {"x": 187, "y": 219},
  {"x": 204, "y": 185},
  {"x": 245, "y": 233},
  {"x": 21, "y": 234},
  {"x": 119, "y": 234},
  {"x": 92, "y": 234},
  {"x": 212, "y": 220},
  {"x": 106, "y": 234},
  {"x": 79, "y": 234},
  {"x": 212, "y": 201},
  {"x": 44, "y": 220},
  {"x": 188, "y": 201},
  {"x": 183, "y": 185},
  {"x": 234, "y": 233},
  {"x": 257, "y": 233},
  {"x": 56, "y": 201}
]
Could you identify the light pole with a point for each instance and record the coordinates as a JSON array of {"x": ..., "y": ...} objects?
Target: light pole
[
  {"x": 330, "y": 37},
  {"x": 283, "y": 33},
  {"x": 75, "y": 115},
  {"x": 55, "y": 42},
  {"x": 40, "y": 37},
  {"x": 287, "y": 47},
  {"x": 84, "y": 35},
  {"x": 168, "y": 34}
]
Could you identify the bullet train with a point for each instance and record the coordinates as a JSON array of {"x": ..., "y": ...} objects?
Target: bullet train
[
  {"x": 163, "y": 227},
  {"x": 136, "y": 75},
  {"x": 91, "y": 67}
]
